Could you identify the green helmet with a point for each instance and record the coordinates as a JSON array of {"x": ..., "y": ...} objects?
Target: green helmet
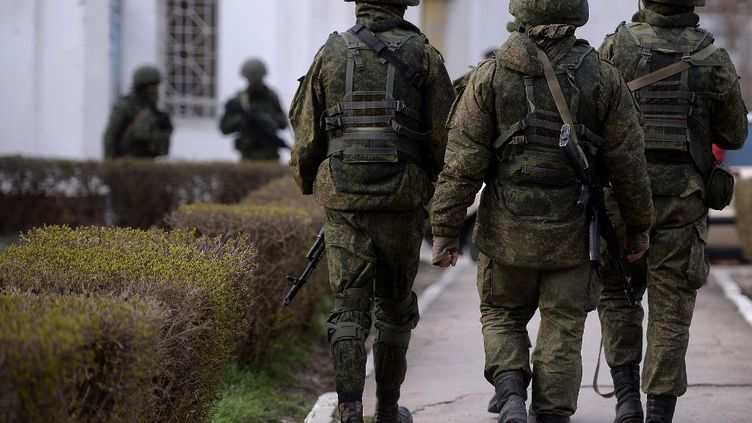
[
  {"x": 253, "y": 69},
  {"x": 146, "y": 75},
  {"x": 545, "y": 12},
  {"x": 394, "y": 2},
  {"x": 680, "y": 3}
]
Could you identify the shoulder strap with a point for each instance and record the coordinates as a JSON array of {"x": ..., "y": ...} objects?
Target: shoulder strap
[
  {"x": 383, "y": 51},
  {"x": 671, "y": 70},
  {"x": 559, "y": 99}
]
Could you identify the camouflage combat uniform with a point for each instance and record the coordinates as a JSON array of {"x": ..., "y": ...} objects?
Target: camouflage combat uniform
[
  {"x": 531, "y": 232},
  {"x": 136, "y": 127},
  {"x": 702, "y": 105},
  {"x": 368, "y": 145},
  {"x": 253, "y": 143}
]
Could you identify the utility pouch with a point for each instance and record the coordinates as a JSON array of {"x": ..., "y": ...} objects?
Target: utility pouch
[{"x": 720, "y": 188}]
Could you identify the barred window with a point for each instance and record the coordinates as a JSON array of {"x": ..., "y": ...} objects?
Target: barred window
[{"x": 190, "y": 69}]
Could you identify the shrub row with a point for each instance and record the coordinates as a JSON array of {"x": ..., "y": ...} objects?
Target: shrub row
[
  {"x": 282, "y": 224},
  {"x": 139, "y": 193},
  {"x": 201, "y": 284},
  {"x": 76, "y": 359}
]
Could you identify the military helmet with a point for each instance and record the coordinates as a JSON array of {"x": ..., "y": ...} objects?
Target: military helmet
[
  {"x": 394, "y": 2},
  {"x": 545, "y": 12},
  {"x": 146, "y": 75},
  {"x": 253, "y": 69},
  {"x": 680, "y": 3}
]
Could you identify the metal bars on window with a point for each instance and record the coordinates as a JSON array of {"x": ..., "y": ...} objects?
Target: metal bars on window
[{"x": 190, "y": 68}]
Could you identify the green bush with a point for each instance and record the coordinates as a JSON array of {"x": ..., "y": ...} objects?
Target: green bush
[
  {"x": 144, "y": 192},
  {"x": 138, "y": 193},
  {"x": 284, "y": 192},
  {"x": 282, "y": 236},
  {"x": 201, "y": 283},
  {"x": 743, "y": 207},
  {"x": 76, "y": 359},
  {"x": 34, "y": 192}
]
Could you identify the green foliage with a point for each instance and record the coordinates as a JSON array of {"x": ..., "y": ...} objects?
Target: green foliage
[
  {"x": 76, "y": 358},
  {"x": 34, "y": 192},
  {"x": 282, "y": 236},
  {"x": 201, "y": 283}
]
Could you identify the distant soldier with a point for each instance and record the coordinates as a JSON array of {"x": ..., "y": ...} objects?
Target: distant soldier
[
  {"x": 535, "y": 218},
  {"x": 689, "y": 94},
  {"x": 256, "y": 115},
  {"x": 369, "y": 140},
  {"x": 137, "y": 128}
]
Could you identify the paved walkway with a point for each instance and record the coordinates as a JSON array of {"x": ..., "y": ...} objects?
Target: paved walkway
[{"x": 445, "y": 379}]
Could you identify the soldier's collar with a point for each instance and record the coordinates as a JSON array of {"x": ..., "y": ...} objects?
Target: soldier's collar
[{"x": 682, "y": 20}]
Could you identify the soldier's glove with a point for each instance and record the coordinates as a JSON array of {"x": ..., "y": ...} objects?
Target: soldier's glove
[
  {"x": 445, "y": 251},
  {"x": 635, "y": 244}
]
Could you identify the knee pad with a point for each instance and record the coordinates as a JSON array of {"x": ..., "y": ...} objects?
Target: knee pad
[
  {"x": 396, "y": 319},
  {"x": 351, "y": 302}
]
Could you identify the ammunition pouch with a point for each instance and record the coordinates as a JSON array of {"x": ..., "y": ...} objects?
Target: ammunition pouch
[{"x": 719, "y": 190}]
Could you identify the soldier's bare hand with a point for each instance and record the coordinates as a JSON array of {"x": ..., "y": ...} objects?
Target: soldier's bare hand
[{"x": 635, "y": 257}]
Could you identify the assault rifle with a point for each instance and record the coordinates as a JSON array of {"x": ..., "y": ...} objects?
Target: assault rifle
[
  {"x": 256, "y": 120},
  {"x": 591, "y": 198},
  {"x": 314, "y": 257}
]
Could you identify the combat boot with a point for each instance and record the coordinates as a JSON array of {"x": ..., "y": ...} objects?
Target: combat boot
[
  {"x": 351, "y": 412},
  {"x": 660, "y": 408},
  {"x": 551, "y": 418},
  {"x": 510, "y": 397},
  {"x": 388, "y": 411},
  {"x": 627, "y": 389}
]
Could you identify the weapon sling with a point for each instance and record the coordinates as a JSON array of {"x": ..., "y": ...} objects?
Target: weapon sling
[
  {"x": 566, "y": 116},
  {"x": 671, "y": 70},
  {"x": 378, "y": 46}
]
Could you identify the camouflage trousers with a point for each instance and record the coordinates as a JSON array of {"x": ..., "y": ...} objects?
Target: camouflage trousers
[
  {"x": 673, "y": 269},
  {"x": 373, "y": 259},
  {"x": 509, "y": 297}
]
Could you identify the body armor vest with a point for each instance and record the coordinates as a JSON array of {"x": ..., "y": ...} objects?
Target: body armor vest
[
  {"x": 371, "y": 124},
  {"x": 669, "y": 104},
  {"x": 529, "y": 150}
]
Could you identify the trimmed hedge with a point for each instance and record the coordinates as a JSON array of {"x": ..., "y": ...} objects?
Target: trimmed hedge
[
  {"x": 743, "y": 208},
  {"x": 201, "y": 283},
  {"x": 34, "y": 192},
  {"x": 282, "y": 236},
  {"x": 76, "y": 359},
  {"x": 144, "y": 192}
]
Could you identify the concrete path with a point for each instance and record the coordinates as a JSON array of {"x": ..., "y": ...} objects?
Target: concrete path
[{"x": 445, "y": 379}]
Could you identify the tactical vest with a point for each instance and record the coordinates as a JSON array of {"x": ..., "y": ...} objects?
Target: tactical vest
[
  {"x": 669, "y": 104},
  {"x": 537, "y": 221},
  {"x": 374, "y": 129}
]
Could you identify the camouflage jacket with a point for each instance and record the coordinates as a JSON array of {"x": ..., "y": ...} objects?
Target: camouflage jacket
[
  {"x": 386, "y": 181},
  {"x": 245, "y": 113},
  {"x": 529, "y": 216},
  {"x": 715, "y": 110},
  {"x": 137, "y": 129}
]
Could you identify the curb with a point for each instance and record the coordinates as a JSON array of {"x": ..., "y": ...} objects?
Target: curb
[{"x": 325, "y": 407}]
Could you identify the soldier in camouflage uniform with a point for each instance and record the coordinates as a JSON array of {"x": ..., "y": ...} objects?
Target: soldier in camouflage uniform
[
  {"x": 136, "y": 127},
  {"x": 531, "y": 231},
  {"x": 370, "y": 139},
  {"x": 686, "y": 113},
  {"x": 256, "y": 115}
]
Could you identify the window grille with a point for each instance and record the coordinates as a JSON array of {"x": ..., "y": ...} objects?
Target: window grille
[{"x": 190, "y": 70}]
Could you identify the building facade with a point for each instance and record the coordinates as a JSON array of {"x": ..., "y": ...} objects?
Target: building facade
[{"x": 65, "y": 62}]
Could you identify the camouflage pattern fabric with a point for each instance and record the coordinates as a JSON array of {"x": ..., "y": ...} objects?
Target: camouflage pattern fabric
[
  {"x": 137, "y": 129},
  {"x": 530, "y": 229},
  {"x": 402, "y": 185},
  {"x": 374, "y": 256},
  {"x": 676, "y": 264},
  {"x": 509, "y": 297},
  {"x": 374, "y": 207},
  {"x": 252, "y": 143}
]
